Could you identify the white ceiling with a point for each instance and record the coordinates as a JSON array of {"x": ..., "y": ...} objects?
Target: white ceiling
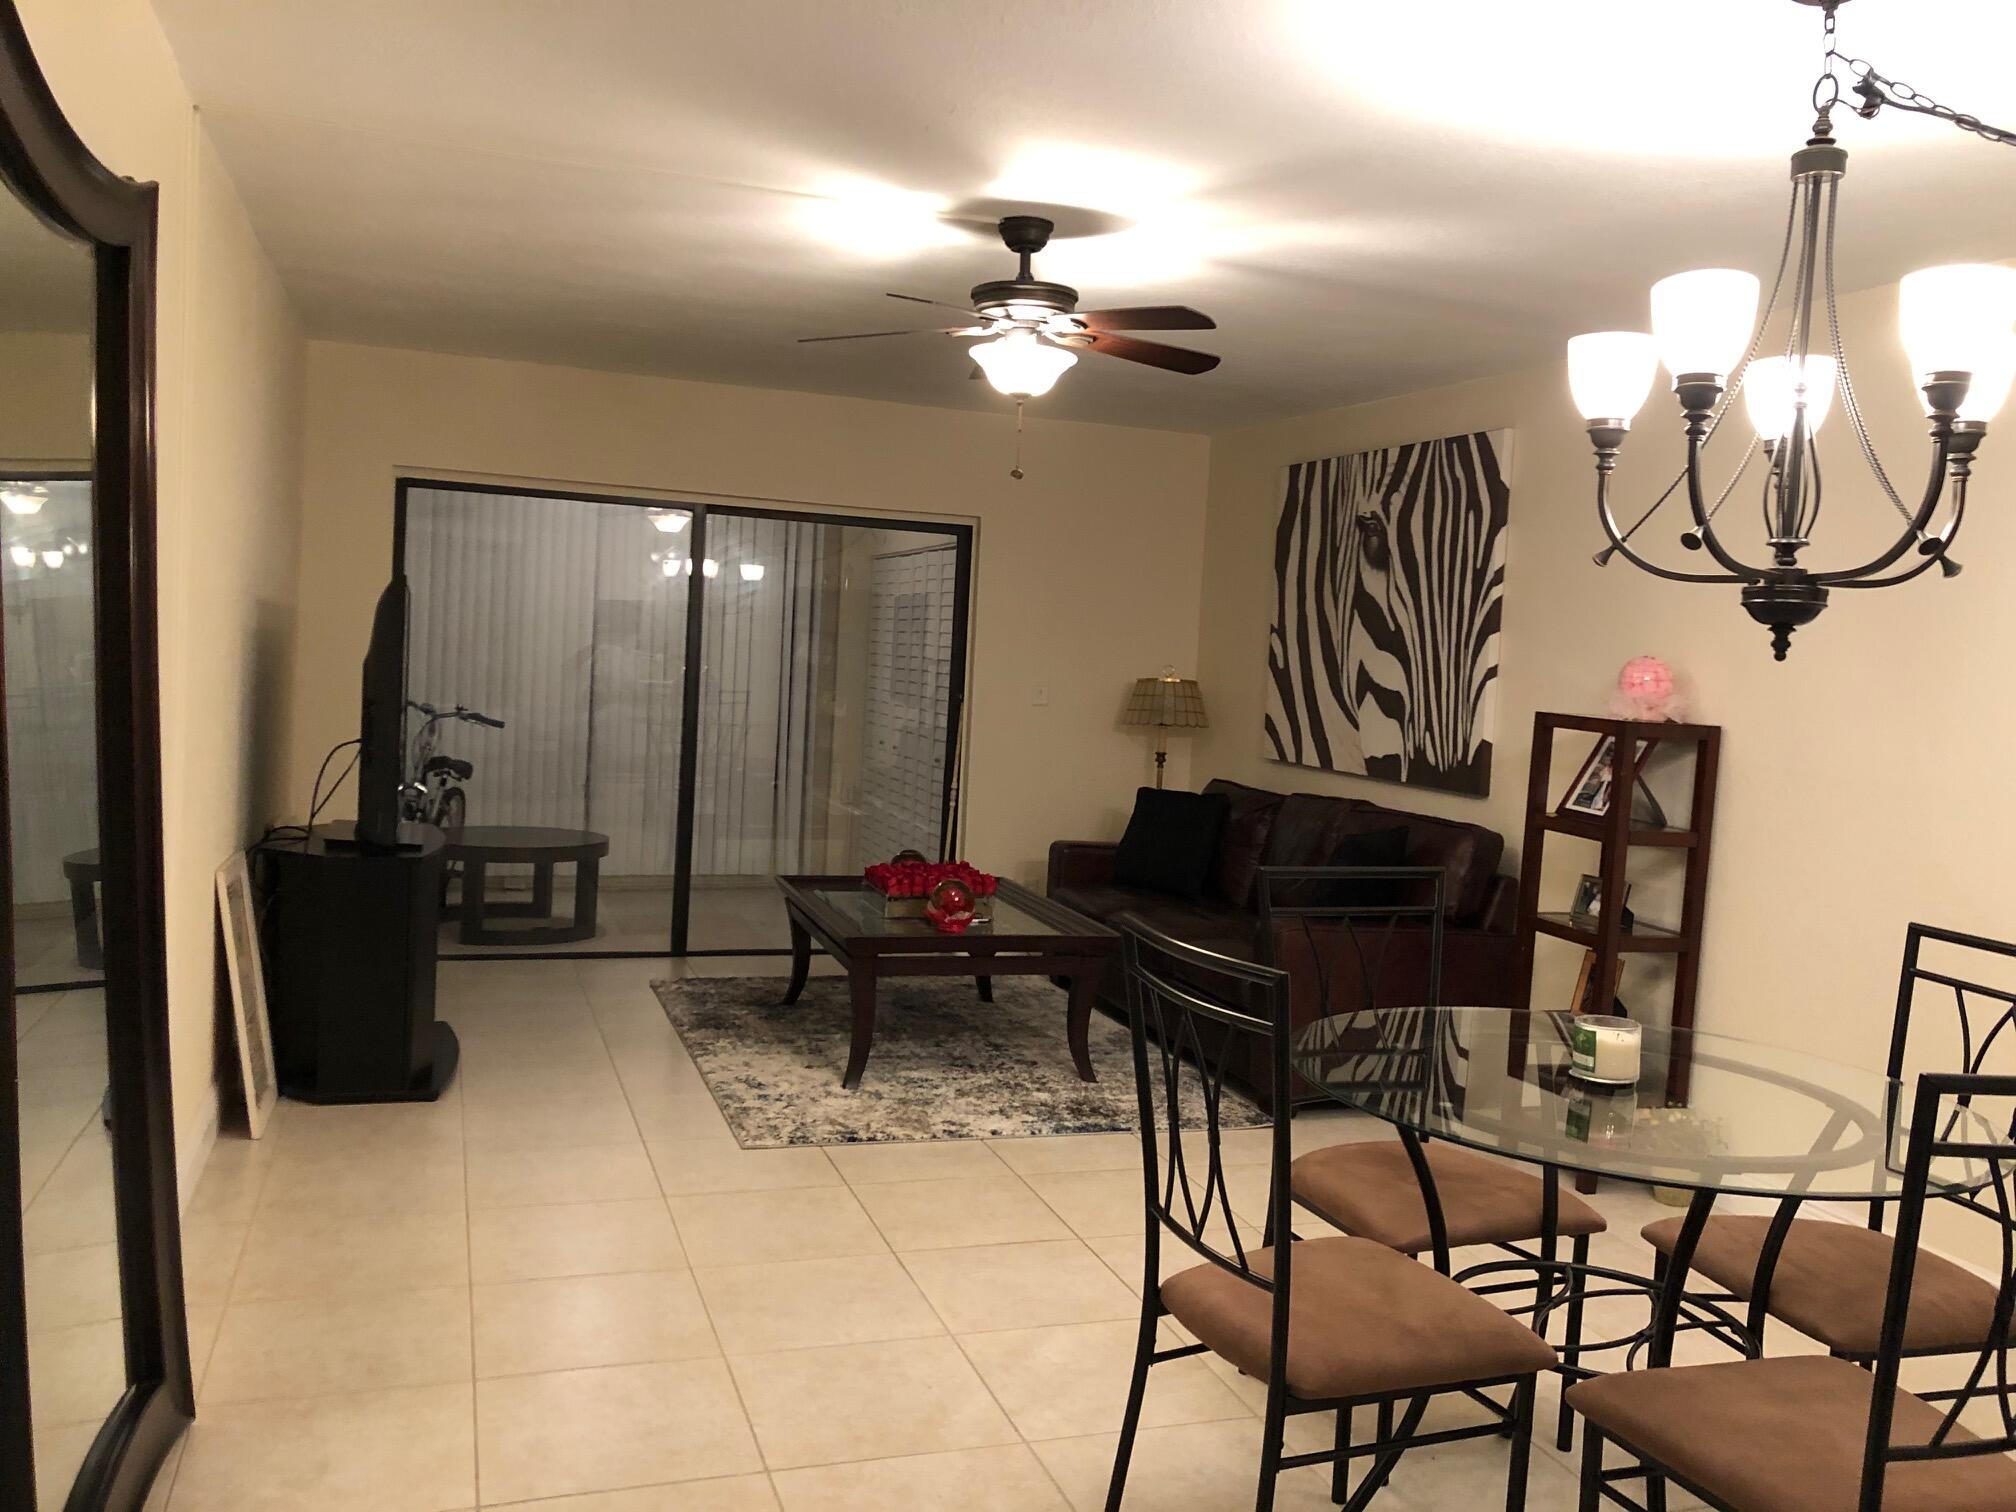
[{"x": 1370, "y": 196}]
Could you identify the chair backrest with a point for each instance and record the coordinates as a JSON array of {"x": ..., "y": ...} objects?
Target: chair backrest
[
  {"x": 1331, "y": 898},
  {"x": 1949, "y": 1126},
  {"x": 1984, "y": 1011},
  {"x": 1193, "y": 1014},
  {"x": 1315, "y": 918}
]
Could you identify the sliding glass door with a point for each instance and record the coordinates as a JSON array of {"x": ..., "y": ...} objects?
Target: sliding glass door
[
  {"x": 721, "y": 694},
  {"x": 825, "y": 711}
]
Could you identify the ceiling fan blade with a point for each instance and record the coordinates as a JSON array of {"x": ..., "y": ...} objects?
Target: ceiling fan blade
[
  {"x": 1147, "y": 318},
  {"x": 1174, "y": 359},
  {"x": 920, "y": 299},
  {"x": 864, "y": 335}
]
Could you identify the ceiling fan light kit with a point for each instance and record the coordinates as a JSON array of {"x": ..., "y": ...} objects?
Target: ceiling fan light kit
[
  {"x": 1034, "y": 329},
  {"x": 1956, "y": 323}
]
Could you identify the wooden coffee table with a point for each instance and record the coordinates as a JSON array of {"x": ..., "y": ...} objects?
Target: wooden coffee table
[
  {"x": 1028, "y": 936},
  {"x": 476, "y": 847}
]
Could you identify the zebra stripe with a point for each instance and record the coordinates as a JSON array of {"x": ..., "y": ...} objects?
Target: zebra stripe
[{"x": 1389, "y": 587}]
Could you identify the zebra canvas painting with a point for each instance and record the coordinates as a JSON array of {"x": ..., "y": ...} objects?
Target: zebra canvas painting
[{"x": 1389, "y": 586}]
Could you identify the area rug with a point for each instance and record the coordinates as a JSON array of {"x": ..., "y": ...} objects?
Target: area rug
[{"x": 945, "y": 1065}]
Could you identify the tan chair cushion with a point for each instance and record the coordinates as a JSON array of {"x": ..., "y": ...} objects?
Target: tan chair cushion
[
  {"x": 1362, "y": 1319},
  {"x": 1371, "y": 1190},
  {"x": 1786, "y": 1435},
  {"x": 1832, "y": 1279}
]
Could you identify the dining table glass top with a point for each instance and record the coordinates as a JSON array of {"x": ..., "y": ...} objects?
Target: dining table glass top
[{"x": 1758, "y": 1120}]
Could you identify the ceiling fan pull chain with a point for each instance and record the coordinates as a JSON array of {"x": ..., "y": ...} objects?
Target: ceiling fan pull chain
[{"x": 1015, "y": 472}]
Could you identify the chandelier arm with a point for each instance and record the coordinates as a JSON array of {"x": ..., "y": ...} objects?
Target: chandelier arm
[
  {"x": 1704, "y": 525},
  {"x": 1742, "y": 467},
  {"x": 1942, "y": 437},
  {"x": 1934, "y": 548},
  {"x": 1620, "y": 541}
]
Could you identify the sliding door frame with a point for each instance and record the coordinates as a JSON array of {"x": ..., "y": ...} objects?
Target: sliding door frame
[{"x": 961, "y": 535}]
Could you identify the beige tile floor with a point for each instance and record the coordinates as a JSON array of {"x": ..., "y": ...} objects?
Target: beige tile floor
[{"x": 564, "y": 1287}]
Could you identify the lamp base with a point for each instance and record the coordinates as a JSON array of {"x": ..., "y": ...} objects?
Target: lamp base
[{"x": 1161, "y": 760}]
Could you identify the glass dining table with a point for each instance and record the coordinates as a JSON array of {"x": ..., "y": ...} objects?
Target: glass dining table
[{"x": 1760, "y": 1121}]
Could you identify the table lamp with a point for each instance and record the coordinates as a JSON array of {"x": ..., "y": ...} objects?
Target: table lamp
[{"x": 1165, "y": 703}]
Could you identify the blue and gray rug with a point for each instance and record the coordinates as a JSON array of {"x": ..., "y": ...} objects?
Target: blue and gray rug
[{"x": 945, "y": 1065}]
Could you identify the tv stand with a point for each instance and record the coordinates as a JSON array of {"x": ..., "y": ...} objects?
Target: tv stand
[
  {"x": 350, "y": 936},
  {"x": 342, "y": 835}
]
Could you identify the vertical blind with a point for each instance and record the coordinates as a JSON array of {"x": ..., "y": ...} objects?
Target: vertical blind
[
  {"x": 558, "y": 617},
  {"x": 52, "y": 689}
]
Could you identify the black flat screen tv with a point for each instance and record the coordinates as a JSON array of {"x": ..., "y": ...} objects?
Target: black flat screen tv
[{"x": 382, "y": 729}]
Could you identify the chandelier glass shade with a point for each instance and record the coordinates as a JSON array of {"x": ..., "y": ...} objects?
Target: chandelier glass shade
[
  {"x": 1022, "y": 365},
  {"x": 1709, "y": 326}
]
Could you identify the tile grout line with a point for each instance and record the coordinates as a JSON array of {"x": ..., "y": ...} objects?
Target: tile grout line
[
  {"x": 469, "y": 1275},
  {"x": 700, "y": 1296}
]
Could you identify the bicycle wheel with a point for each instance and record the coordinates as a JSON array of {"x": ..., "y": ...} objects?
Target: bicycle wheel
[{"x": 451, "y": 812}]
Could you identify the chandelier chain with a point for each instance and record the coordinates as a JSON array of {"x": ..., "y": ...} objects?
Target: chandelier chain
[
  {"x": 1877, "y": 91},
  {"x": 1846, "y": 385}
]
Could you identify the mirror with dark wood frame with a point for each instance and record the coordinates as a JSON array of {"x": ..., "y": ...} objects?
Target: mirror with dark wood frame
[{"x": 94, "y": 1371}]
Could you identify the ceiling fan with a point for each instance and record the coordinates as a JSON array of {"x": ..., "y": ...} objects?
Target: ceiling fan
[{"x": 1035, "y": 330}]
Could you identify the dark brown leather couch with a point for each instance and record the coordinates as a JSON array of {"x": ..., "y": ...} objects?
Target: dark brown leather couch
[{"x": 1305, "y": 829}]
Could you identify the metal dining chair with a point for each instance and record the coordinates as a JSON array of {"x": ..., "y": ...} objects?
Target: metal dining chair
[
  {"x": 1331, "y": 1325},
  {"x": 1817, "y": 1433},
  {"x": 1374, "y": 1188},
  {"x": 1828, "y": 1280}
]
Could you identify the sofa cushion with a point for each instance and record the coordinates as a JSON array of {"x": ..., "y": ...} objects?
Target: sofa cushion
[
  {"x": 1468, "y": 854},
  {"x": 1307, "y": 829},
  {"x": 1240, "y": 849},
  {"x": 1171, "y": 841}
]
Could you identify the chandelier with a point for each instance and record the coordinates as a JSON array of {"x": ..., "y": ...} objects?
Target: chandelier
[{"x": 1956, "y": 323}]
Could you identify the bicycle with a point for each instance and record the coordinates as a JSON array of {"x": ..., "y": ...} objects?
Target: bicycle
[{"x": 432, "y": 793}]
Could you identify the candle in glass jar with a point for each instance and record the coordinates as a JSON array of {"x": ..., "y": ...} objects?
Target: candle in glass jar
[{"x": 1604, "y": 1048}]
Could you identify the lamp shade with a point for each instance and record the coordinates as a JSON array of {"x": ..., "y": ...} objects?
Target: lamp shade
[
  {"x": 1955, "y": 319},
  {"x": 1610, "y": 373},
  {"x": 1991, "y": 382},
  {"x": 1167, "y": 702},
  {"x": 1702, "y": 320},
  {"x": 1771, "y": 393},
  {"x": 1021, "y": 366}
]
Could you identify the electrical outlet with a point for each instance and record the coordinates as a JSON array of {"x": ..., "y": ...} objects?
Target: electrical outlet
[{"x": 1041, "y": 697}]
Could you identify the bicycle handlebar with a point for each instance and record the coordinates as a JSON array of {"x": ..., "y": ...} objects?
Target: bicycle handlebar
[{"x": 466, "y": 715}]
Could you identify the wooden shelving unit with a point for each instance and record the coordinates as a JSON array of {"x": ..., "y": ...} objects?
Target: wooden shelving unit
[{"x": 1616, "y": 832}]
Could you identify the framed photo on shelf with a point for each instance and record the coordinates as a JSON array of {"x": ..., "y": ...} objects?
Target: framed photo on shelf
[
  {"x": 1589, "y": 794},
  {"x": 1588, "y": 905}
]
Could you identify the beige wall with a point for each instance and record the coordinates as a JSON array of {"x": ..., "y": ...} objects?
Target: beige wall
[
  {"x": 228, "y": 428},
  {"x": 1865, "y": 782},
  {"x": 1086, "y": 570}
]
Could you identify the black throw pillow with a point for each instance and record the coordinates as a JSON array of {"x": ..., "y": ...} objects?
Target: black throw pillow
[
  {"x": 1384, "y": 847},
  {"x": 1171, "y": 841}
]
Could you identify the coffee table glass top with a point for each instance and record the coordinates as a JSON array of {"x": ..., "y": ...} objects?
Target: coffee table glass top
[
  {"x": 858, "y": 910},
  {"x": 1761, "y": 1119}
]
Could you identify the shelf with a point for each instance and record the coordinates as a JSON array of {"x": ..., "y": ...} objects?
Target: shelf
[
  {"x": 1645, "y": 939},
  {"x": 1587, "y": 828}
]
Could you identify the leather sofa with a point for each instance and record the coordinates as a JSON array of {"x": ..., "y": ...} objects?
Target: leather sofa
[{"x": 1268, "y": 829}]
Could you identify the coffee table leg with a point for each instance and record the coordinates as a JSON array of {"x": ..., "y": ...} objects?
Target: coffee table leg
[
  {"x": 587, "y": 894},
  {"x": 801, "y": 962},
  {"x": 861, "y": 986},
  {"x": 1078, "y": 1020},
  {"x": 473, "y": 880},
  {"x": 986, "y": 986}
]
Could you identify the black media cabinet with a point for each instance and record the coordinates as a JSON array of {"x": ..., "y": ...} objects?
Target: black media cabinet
[{"x": 350, "y": 937}]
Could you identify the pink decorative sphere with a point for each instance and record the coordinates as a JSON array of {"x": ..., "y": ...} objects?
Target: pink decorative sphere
[{"x": 1645, "y": 689}]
